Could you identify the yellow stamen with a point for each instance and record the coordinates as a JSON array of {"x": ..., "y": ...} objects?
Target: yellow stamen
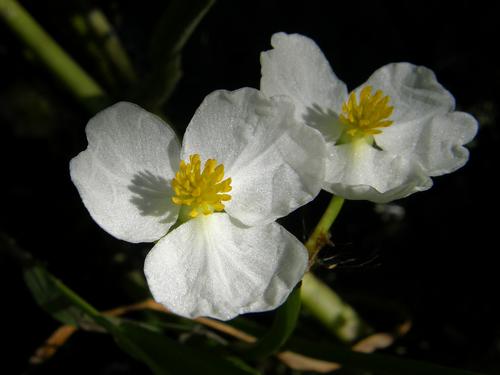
[
  {"x": 203, "y": 191},
  {"x": 369, "y": 115}
]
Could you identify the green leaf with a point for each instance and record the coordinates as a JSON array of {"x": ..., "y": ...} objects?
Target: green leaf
[
  {"x": 283, "y": 326},
  {"x": 177, "y": 24},
  {"x": 374, "y": 363},
  {"x": 172, "y": 32},
  {"x": 56, "y": 298},
  {"x": 166, "y": 356},
  {"x": 144, "y": 342}
]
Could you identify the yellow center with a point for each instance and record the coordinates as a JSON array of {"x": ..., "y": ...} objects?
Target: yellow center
[
  {"x": 365, "y": 118},
  {"x": 203, "y": 192}
]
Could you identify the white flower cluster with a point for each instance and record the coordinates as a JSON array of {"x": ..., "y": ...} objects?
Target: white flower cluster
[{"x": 249, "y": 157}]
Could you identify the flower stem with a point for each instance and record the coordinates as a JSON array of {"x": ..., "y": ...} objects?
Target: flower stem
[
  {"x": 75, "y": 79},
  {"x": 320, "y": 235},
  {"x": 317, "y": 297}
]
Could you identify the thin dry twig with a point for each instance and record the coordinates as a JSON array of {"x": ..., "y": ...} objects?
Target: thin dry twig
[{"x": 54, "y": 342}]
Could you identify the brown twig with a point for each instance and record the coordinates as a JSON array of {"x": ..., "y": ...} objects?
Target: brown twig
[{"x": 54, "y": 342}]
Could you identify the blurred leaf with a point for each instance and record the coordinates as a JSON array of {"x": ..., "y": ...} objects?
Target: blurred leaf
[
  {"x": 172, "y": 32},
  {"x": 56, "y": 298},
  {"x": 168, "y": 322},
  {"x": 248, "y": 326},
  {"x": 166, "y": 356},
  {"x": 283, "y": 326},
  {"x": 176, "y": 26},
  {"x": 146, "y": 343},
  {"x": 374, "y": 363}
]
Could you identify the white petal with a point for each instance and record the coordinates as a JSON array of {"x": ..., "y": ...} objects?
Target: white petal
[
  {"x": 359, "y": 171},
  {"x": 276, "y": 164},
  {"x": 435, "y": 142},
  {"x": 414, "y": 91},
  {"x": 425, "y": 129},
  {"x": 296, "y": 67},
  {"x": 124, "y": 174},
  {"x": 213, "y": 266}
]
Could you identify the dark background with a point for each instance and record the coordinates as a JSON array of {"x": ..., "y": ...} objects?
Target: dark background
[{"x": 436, "y": 261}]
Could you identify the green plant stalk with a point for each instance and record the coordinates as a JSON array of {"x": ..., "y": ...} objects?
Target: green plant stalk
[
  {"x": 329, "y": 309},
  {"x": 75, "y": 79},
  {"x": 111, "y": 44},
  {"x": 282, "y": 329},
  {"x": 81, "y": 27},
  {"x": 319, "y": 299},
  {"x": 320, "y": 235}
]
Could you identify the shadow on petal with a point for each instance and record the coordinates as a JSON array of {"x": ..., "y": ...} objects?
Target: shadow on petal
[
  {"x": 152, "y": 196},
  {"x": 325, "y": 121}
]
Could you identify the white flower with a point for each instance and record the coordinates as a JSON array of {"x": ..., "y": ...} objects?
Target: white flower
[
  {"x": 384, "y": 140},
  {"x": 225, "y": 255}
]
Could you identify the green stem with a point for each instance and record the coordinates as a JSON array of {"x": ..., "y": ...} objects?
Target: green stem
[
  {"x": 320, "y": 235},
  {"x": 319, "y": 299},
  {"x": 111, "y": 44},
  {"x": 329, "y": 308},
  {"x": 283, "y": 326},
  {"x": 87, "y": 39},
  {"x": 75, "y": 79}
]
